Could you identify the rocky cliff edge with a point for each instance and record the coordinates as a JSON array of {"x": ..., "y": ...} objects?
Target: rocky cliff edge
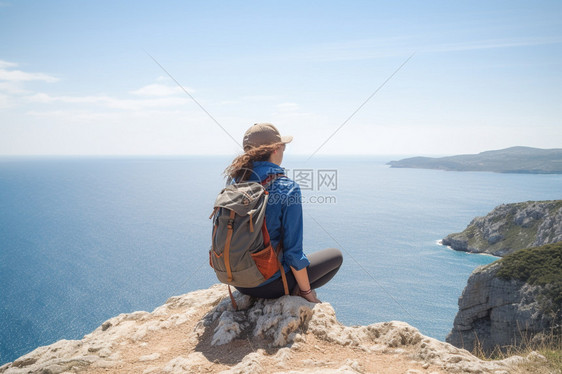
[
  {"x": 494, "y": 312},
  {"x": 510, "y": 227},
  {"x": 512, "y": 302},
  {"x": 200, "y": 333}
]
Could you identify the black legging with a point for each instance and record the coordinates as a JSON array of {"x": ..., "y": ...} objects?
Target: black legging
[{"x": 323, "y": 266}]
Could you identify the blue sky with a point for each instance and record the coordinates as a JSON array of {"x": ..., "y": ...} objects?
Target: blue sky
[{"x": 76, "y": 77}]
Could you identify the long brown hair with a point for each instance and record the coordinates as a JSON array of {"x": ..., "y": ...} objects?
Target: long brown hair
[{"x": 241, "y": 168}]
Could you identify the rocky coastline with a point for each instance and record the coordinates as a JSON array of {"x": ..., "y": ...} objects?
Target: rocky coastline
[{"x": 510, "y": 227}]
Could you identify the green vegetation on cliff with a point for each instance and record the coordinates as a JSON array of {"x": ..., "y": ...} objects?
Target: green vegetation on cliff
[{"x": 541, "y": 266}]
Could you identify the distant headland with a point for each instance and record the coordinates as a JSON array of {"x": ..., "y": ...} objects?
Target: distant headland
[{"x": 524, "y": 160}]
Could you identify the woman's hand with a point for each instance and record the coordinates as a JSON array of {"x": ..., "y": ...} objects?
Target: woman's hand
[
  {"x": 304, "y": 284},
  {"x": 309, "y": 295}
]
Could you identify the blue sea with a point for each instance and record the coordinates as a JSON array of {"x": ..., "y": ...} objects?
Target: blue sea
[{"x": 84, "y": 239}]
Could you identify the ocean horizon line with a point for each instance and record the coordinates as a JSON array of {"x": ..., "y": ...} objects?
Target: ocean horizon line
[{"x": 194, "y": 155}]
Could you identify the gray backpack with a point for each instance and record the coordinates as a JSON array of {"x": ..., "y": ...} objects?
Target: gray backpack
[{"x": 241, "y": 253}]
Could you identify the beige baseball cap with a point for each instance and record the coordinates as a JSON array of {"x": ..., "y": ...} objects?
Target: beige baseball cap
[{"x": 263, "y": 134}]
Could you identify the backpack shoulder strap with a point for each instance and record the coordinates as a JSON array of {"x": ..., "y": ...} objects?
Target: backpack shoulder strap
[
  {"x": 270, "y": 179},
  {"x": 278, "y": 252},
  {"x": 227, "y": 245}
]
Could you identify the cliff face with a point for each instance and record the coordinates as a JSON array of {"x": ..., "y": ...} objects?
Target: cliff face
[
  {"x": 200, "y": 332},
  {"x": 497, "y": 312},
  {"x": 510, "y": 227}
]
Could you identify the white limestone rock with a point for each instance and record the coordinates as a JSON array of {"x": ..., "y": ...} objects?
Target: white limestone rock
[
  {"x": 277, "y": 331},
  {"x": 182, "y": 365},
  {"x": 277, "y": 320}
]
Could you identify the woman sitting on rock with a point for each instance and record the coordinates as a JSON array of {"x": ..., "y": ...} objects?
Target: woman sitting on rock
[{"x": 262, "y": 157}]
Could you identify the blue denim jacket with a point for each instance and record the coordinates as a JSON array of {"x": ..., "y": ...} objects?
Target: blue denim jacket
[{"x": 283, "y": 215}]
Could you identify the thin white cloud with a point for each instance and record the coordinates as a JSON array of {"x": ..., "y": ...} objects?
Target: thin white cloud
[
  {"x": 229, "y": 102},
  {"x": 157, "y": 89},
  {"x": 5, "y": 101},
  {"x": 287, "y": 107},
  {"x": 72, "y": 115},
  {"x": 259, "y": 98},
  {"x": 22, "y": 76},
  {"x": 87, "y": 114},
  {"x": 12, "y": 88},
  {"x": 110, "y": 102},
  {"x": 369, "y": 49},
  {"x": 7, "y": 64},
  {"x": 288, "y": 112},
  {"x": 361, "y": 49},
  {"x": 152, "y": 96},
  {"x": 493, "y": 43},
  {"x": 12, "y": 83},
  {"x": 128, "y": 104}
]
